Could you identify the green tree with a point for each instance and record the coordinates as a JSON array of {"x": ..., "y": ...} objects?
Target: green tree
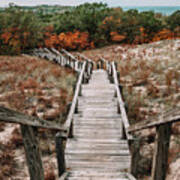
[
  {"x": 85, "y": 18},
  {"x": 24, "y": 27},
  {"x": 173, "y": 21},
  {"x": 150, "y": 23}
]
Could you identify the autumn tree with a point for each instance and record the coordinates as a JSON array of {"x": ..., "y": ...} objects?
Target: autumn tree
[{"x": 21, "y": 30}]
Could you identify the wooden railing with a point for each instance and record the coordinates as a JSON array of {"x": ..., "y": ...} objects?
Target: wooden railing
[
  {"x": 163, "y": 125},
  {"x": 121, "y": 104},
  {"x": 29, "y": 127},
  {"x": 84, "y": 76},
  {"x": 59, "y": 58},
  {"x": 111, "y": 68},
  {"x": 84, "y": 67},
  {"x": 69, "y": 121}
]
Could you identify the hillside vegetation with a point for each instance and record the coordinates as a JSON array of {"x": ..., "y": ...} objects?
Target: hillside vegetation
[
  {"x": 83, "y": 27},
  {"x": 35, "y": 87}
]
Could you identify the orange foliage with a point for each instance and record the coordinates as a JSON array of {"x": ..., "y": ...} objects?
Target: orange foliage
[
  {"x": 164, "y": 34},
  {"x": 15, "y": 38},
  {"x": 69, "y": 40},
  {"x": 6, "y": 37},
  {"x": 142, "y": 37},
  {"x": 115, "y": 37}
]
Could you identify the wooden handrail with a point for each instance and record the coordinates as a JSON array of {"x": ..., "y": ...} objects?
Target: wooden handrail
[
  {"x": 169, "y": 117},
  {"x": 69, "y": 54},
  {"x": 85, "y": 58},
  {"x": 11, "y": 116},
  {"x": 121, "y": 103},
  {"x": 29, "y": 126},
  {"x": 69, "y": 120}
]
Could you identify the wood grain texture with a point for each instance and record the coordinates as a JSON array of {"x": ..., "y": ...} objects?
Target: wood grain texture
[
  {"x": 32, "y": 151},
  {"x": 170, "y": 116},
  {"x": 97, "y": 150},
  {"x": 11, "y": 116}
]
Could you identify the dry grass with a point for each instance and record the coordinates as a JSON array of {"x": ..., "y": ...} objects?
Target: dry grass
[
  {"x": 35, "y": 86},
  {"x": 7, "y": 161},
  {"x": 38, "y": 88},
  {"x": 2, "y": 125}
]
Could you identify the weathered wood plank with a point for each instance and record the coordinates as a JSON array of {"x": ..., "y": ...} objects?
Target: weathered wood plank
[
  {"x": 60, "y": 154},
  {"x": 97, "y": 142},
  {"x": 100, "y": 152},
  {"x": 68, "y": 122},
  {"x": 160, "y": 164},
  {"x": 73, "y": 142},
  {"x": 101, "y": 158},
  {"x": 167, "y": 117},
  {"x": 99, "y": 178},
  {"x": 121, "y": 104},
  {"x": 11, "y": 116},
  {"x": 32, "y": 151},
  {"x": 97, "y": 174}
]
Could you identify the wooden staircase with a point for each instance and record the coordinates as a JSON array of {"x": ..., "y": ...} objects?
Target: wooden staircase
[{"x": 97, "y": 150}]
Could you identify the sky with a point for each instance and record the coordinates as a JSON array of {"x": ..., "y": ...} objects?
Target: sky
[{"x": 109, "y": 2}]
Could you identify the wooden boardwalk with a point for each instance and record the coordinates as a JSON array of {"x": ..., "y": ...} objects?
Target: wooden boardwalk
[
  {"x": 97, "y": 130},
  {"x": 97, "y": 150}
]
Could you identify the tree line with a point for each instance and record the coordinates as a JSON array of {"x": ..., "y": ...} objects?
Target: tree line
[{"x": 85, "y": 26}]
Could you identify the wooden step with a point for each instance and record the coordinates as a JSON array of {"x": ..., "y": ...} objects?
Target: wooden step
[
  {"x": 101, "y": 158},
  {"x": 95, "y": 178},
  {"x": 105, "y": 141},
  {"x": 98, "y": 152},
  {"x": 105, "y": 86},
  {"x": 90, "y": 99},
  {"x": 97, "y": 174},
  {"x": 97, "y": 136},
  {"x": 95, "y": 126},
  {"x": 98, "y": 147},
  {"x": 97, "y": 131},
  {"x": 97, "y": 93},
  {"x": 101, "y": 110},
  {"x": 98, "y": 165}
]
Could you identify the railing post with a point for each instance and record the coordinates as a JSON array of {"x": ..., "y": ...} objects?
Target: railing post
[
  {"x": 118, "y": 76},
  {"x": 76, "y": 108},
  {"x": 60, "y": 154},
  {"x": 102, "y": 64},
  {"x": 134, "y": 145},
  {"x": 115, "y": 63},
  {"x": 80, "y": 90},
  {"x": 98, "y": 66},
  {"x": 92, "y": 66},
  {"x": 159, "y": 169},
  {"x": 32, "y": 151},
  {"x": 70, "y": 135}
]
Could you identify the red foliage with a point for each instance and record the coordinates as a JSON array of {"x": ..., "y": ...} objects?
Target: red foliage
[
  {"x": 69, "y": 40},
  {"x": 115, "y": 37},
  {"x": 164, "y": 34}
]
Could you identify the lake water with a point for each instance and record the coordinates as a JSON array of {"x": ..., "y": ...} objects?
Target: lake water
[{"x": 166, "y": 10}]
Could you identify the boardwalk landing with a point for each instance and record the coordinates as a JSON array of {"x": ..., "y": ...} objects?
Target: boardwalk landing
[{"x": 97, "y": 150}]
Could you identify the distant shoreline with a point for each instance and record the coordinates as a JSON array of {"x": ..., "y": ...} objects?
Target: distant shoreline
[{"x": 165, "y": 10}]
